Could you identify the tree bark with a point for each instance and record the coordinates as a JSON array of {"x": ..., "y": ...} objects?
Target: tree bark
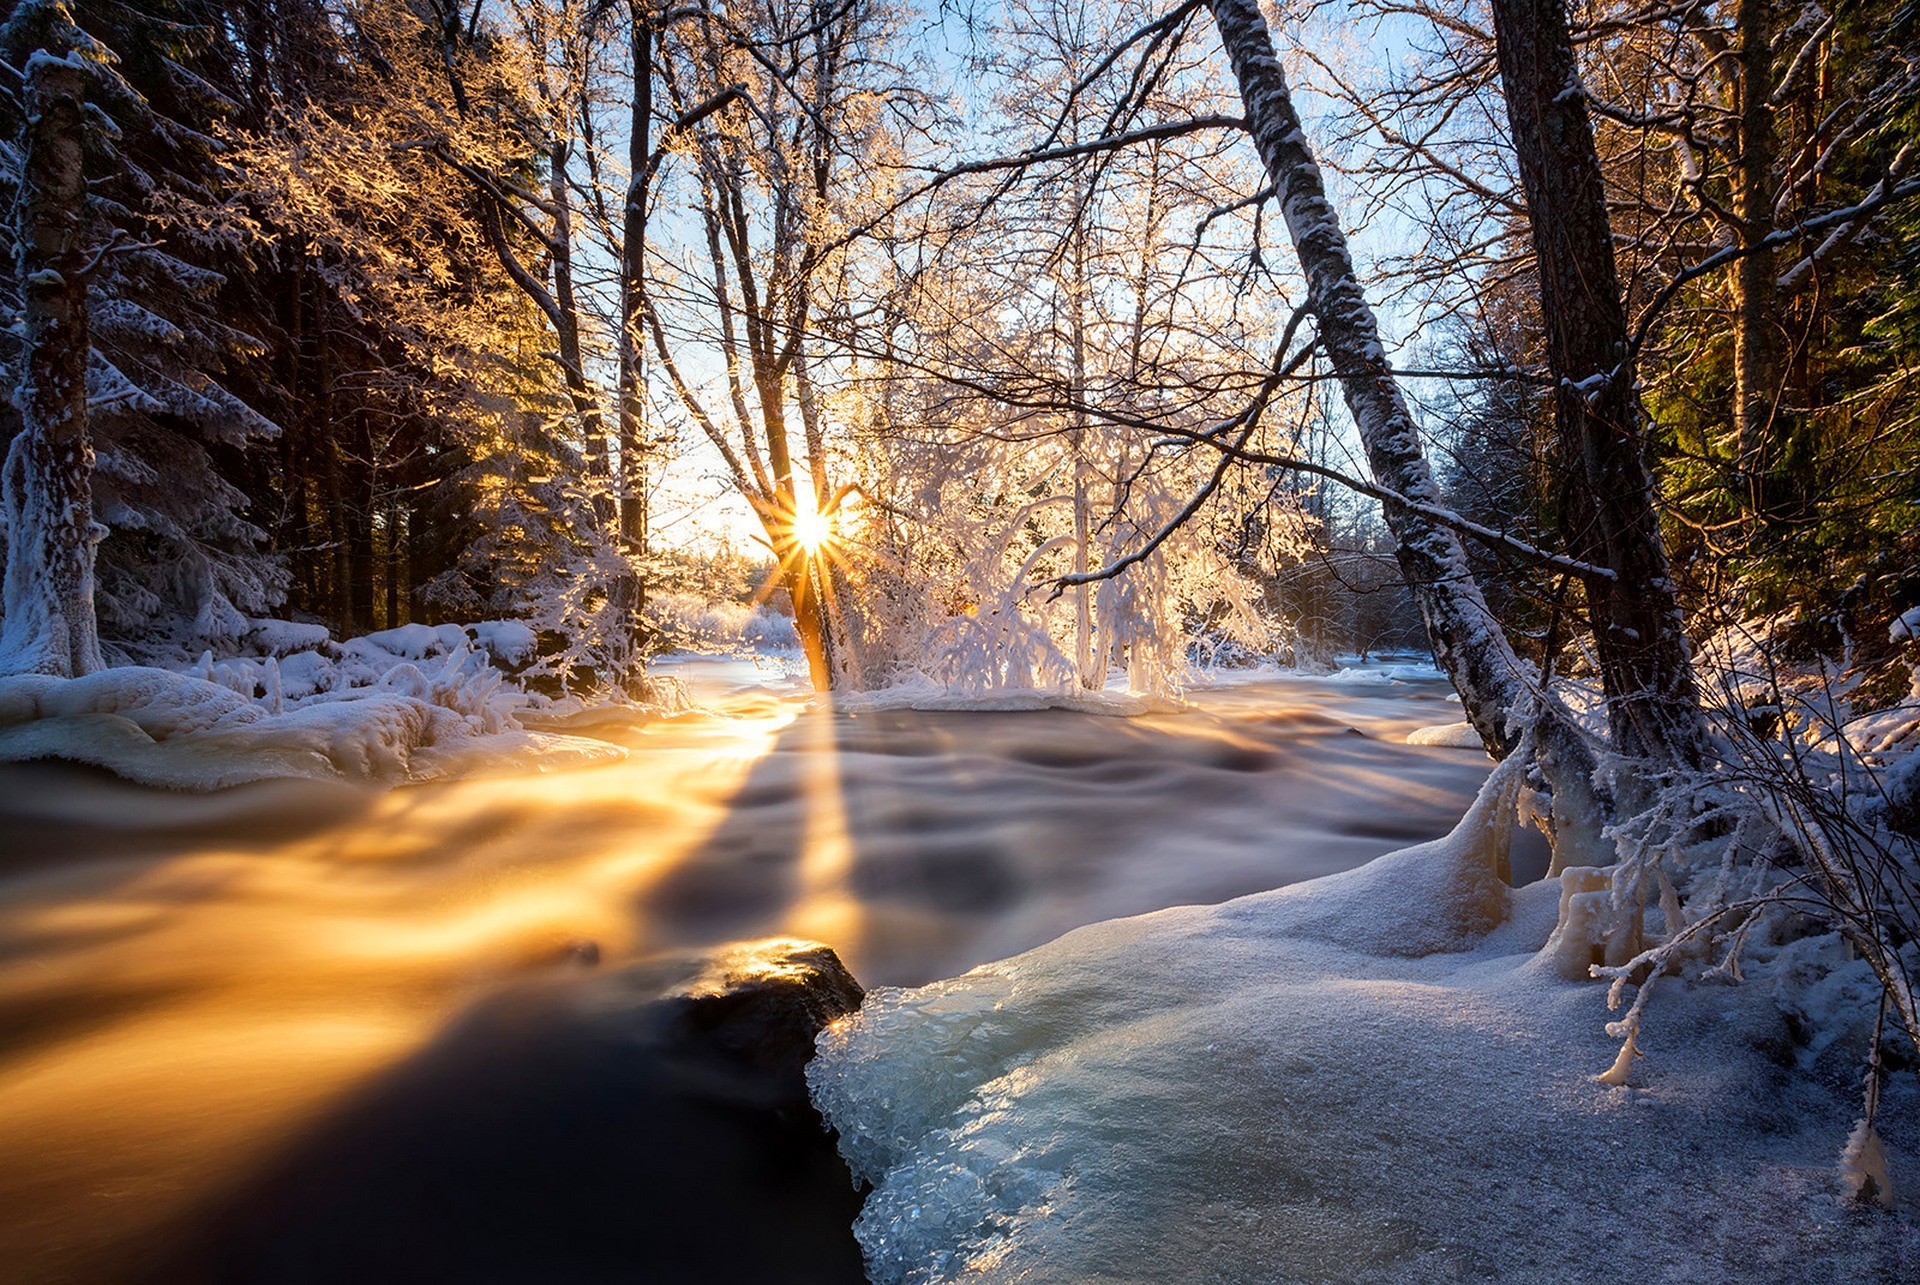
[
  {"x": 633, "y": 267},
  {"x": 50, "y": 626},
  {"x": 1756, "y": 335},
  {"x": 1646, "y": 673},
  {"x": 1467, "y": 641}
]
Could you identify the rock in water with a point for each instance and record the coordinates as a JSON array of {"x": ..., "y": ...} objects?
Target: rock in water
[{"x": 647, "y": 1123}]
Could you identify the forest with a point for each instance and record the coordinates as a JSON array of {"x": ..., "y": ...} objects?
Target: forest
[{"x": 398, "y": 383}]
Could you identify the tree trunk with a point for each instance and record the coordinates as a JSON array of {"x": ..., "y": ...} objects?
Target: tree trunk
[
  {"x": 360, "y": 508},
  {"x": 633, "y": 267},
  {"x": 1646, "y": 673},
  {"x": 1756, "y": 334},
  {"x": 1083, "y": 648},
  {"x": 48, "y": 485},
  {"x": 1466, "y": 639}
]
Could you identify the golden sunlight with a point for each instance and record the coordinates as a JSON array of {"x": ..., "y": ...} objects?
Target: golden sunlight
[{"x": 812, "y": 530}]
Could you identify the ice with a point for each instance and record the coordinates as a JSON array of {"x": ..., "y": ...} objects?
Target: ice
[
  {"x": 1458, "y": 736},
  {"x": 1365, "y": 1077}
]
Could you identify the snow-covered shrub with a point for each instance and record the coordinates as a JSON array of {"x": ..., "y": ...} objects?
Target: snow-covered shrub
[
  {"x": 689, "y": 621},
  {"x": 1795, "y": 837}
]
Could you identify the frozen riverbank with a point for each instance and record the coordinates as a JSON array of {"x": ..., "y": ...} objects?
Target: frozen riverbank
[
  {"x": 1375, "y": 1077},
  {"x": 190, "y": 985}
]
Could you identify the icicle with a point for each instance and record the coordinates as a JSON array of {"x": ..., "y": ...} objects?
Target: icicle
[
  {"x": 1616, "y": 1075},
  {"x": 1863, "y": 1167}
]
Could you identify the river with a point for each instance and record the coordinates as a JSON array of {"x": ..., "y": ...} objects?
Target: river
[{"x": 196, "y": 992}]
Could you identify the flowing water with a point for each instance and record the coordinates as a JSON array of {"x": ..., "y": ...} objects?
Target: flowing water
[{"x": 194, "y": 989}]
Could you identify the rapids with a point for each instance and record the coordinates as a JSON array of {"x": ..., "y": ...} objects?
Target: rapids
[{"x": 195, "y": 988}]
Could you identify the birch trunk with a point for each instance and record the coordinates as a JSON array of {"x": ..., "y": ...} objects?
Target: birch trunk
[
  {"x": 630, "y": 589},
  {"x": 48, "y": 485},
  {"x": 1467, "y": 641}
]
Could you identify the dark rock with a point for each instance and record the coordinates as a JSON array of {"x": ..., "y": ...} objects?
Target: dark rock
[{"x": 643, "y": 1123}]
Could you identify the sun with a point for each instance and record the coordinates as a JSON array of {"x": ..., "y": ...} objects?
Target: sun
[{"x": 812, "y": 530}]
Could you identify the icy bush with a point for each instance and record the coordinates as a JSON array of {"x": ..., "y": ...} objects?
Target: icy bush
[{"x": 695, "y": 623}]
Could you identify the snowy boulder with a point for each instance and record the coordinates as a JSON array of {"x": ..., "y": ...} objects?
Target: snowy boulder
[
  {"x": 283, "y": 637},
  {"x": 414, "y": 642},
  {"x": 1453, "y": 736},
  {"x": 512, "y": 644}
]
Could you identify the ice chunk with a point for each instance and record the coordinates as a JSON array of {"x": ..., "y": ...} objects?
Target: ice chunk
[{"x": 1458, "y": 736}]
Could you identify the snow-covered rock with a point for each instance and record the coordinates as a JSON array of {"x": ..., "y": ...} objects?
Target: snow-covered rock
[{"x": 1455, "y": 736}]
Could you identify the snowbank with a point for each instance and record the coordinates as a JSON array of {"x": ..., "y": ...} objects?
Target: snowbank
[
  {"x": 1369, "y": 1077},
  {"x": 409, "y": 704}
]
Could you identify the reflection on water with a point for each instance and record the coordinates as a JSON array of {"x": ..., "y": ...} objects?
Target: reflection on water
[{"x": 189, "y": 984}]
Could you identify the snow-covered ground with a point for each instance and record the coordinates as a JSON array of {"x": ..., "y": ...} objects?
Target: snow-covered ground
[
  {"x": 1377, "y": 1076},
  {"x": 416, "y": 703}
]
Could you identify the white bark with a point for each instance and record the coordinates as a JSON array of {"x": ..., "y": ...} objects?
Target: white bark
[{"x": 1467, "y": 641}]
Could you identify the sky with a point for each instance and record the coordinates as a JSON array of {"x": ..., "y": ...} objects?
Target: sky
[{"x": 693, "y": 502}]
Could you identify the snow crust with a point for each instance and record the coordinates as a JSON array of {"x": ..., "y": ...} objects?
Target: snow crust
[
  {"x": 1458, "y": 736},
  {"x": 1373, "y": 1076},
  {"x": 415, "y": 703}
]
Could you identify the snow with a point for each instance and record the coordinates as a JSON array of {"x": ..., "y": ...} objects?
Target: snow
[
  {"x": 1380, "y": 1075},
  {"x": 414, "y": 703},
  {"x": 510, "y": 642},
  {"x": 1457, "y": 736},
  {"x": 284, "y": 637}
]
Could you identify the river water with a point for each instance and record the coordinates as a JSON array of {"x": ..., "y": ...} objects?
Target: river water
[{"x": 195, "y": 989}]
